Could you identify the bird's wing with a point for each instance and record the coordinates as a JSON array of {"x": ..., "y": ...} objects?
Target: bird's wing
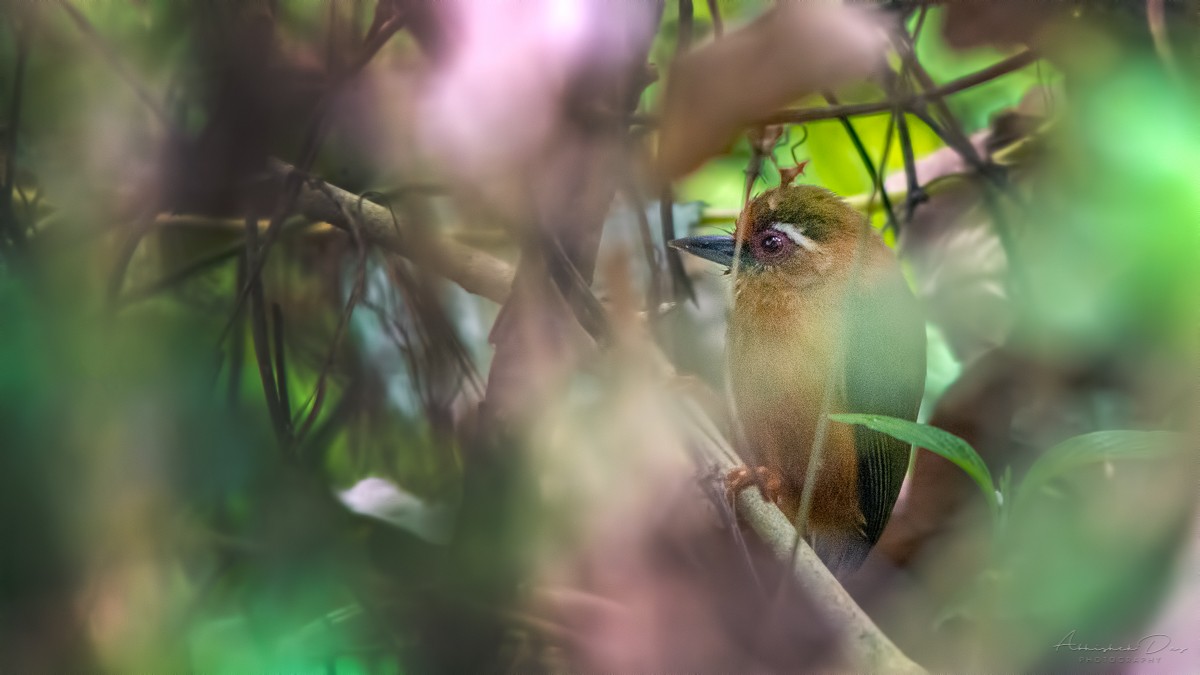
[{"x": 885, "y": 375}]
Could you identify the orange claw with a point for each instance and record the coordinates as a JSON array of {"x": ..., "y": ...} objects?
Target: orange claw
[
  {"x": 768, "y": 480},
  {"x": 737, "y": 480},
  {"x": 770, "y": 483}
]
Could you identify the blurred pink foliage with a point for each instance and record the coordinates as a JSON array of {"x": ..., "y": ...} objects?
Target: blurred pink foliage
[{"x": 497, "y": 102}]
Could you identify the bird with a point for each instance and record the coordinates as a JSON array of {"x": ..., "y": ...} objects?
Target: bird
[{"x": 822, "y": 320}]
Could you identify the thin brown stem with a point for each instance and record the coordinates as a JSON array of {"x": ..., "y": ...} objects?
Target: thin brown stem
[
  {"x": 803, "y": 115},
  {"x": 360, "y": 281},
  {"x": 313, "y": 138},
  {"x": 681, "y": 283},
  {"x": 258, "y": 330},
  {"x": 861, "y": 149},
  {"x": 281, "y": 381},
  {"x": 124, "y": 255},
  {"x": 714, "y": 10},
  {"x": 237, "y": 349},
  {"x": 977, "y": 78},
  {"x": 948, "y": 120},
  {"x": 655, "y": 284},
  {"x": 914, "y": 194},
  {"x": 477, "y": 272},
  {"x": 686, "y": 23},
  {"x": 179, "y": 276}
]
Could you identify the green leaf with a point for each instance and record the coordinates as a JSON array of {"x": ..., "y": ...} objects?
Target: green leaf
[
  {"x": 1098, "y": 446},
  {"x": 935, "y": 440}
]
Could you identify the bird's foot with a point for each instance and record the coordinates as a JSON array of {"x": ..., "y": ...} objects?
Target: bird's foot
[{"x": 768, "y": 480}]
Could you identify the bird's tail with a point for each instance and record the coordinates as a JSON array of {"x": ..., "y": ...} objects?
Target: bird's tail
[{"x": 842, "y": 552}]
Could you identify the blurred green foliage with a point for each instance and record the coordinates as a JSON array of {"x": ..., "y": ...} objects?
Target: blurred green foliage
[
  {"x": 833, "y": 162},
  {"x": 134, "y": 466}
]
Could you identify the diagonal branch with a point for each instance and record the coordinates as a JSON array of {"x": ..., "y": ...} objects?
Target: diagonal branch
[
  {"x": 714, "y": 12},
  {"x": 868, "y": 647},
  {"x": 956, "y": 137},
  {"x": 802, "y": 115},
  {"x": 360, "y": 281},
  {"x": 260, "y": 336},
  {"x": 477, "y": 272}
]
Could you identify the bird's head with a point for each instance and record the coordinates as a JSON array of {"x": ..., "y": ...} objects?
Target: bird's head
[{"x": 801, "y": 233}]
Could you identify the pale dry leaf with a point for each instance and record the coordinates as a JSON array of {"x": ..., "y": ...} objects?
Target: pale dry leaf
[
  {"x": 500, "y": 104},
  {"x": 383, "y": 500},
  {"x": 792, "y": 50},
  {"x": 977, "y": 24}
]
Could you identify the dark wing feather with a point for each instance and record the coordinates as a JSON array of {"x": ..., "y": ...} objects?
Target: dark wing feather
[{"x": 885, "y": 375}]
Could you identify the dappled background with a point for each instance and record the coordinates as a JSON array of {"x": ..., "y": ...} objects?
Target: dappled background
[{"x": 343, "y": 337}]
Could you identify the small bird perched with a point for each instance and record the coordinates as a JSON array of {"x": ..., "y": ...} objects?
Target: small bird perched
[{"x": 819, "y": 303}]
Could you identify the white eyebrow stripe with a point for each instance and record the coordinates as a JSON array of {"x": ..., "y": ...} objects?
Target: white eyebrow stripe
[{"x": 796, "y": 234}]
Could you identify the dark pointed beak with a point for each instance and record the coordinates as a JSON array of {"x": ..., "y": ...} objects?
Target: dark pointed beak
[{"x": 717, "y": 248}]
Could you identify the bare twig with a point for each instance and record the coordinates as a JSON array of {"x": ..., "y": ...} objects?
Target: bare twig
[
  {"x": 237, "y": 350},
  {"x": 360, "y": 282},
  {"x": 443, "y": 352},
  {"x": 256, "y": 255},
  {"x": 876, "y": 175},
  {"x": 803, "y": 115},
  {"x": 996, "y": 175},
  {"x": 686, "y": 22},
  {"x": 180, "y": 275},
  {"x": 281, "y": 383},
  {"x": 638, "y": 205},
  {"x": 439, "y": 349},
  {"x": 800, "y": 116},
  {"x": 867, "y": 204},
  {"x": 762, "y": 145},
  {"x": 914, "y": 195},
  {"x": 202, "y": 264},
  {"x": 258, "y": 330},
  {"x": 477, "y": 272},
  {"x": 574, "y": 288},
  {"x": 320, "y": 437},
  {"x": 916, "y": 34},
  {"x": 124, "y": 255},
  {"x": 870, "y": 650},
  {"x": 948, "y": 120},
  {"x": 714, "y": 11},
  {"x": 389, "y": 18},
  {"x": 681, "y": 283},
  {"x": 313, "y": 138}
]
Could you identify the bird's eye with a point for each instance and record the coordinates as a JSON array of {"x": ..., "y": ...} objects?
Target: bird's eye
[{"x": 771, "y": 245}]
